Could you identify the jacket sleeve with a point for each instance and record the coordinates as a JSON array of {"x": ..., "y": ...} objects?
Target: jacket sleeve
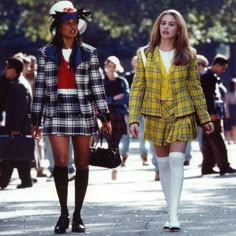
[
  {"x": 97, "y": 85},
  {"x": 39, "y": 93},
  {"x": 137, "y": 91}
]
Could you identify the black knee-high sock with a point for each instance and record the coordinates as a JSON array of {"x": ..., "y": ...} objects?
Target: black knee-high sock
[
  {"x": 81, "y": 183},
  {"x": 61, "y": 183}
]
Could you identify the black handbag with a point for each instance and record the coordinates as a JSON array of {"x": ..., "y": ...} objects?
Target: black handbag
[
  {"x": 104, "y": 157},
  {"x": 19, "y": 148}
]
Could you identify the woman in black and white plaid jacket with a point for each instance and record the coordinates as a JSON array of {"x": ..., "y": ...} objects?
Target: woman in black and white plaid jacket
[{"x": 69, "y": 97}]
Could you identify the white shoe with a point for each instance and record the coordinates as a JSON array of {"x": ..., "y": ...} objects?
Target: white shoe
[
  {"x": 167, "y": 225},
  {"x": 174, "y": 224}
]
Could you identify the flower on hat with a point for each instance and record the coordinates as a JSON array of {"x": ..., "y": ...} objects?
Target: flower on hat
[{"x": 69, "y": 10}]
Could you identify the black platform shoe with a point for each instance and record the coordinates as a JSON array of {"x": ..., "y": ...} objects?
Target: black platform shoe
[
  {"x": 78, "y": 226},
  {"x": 62, "y": 224}
]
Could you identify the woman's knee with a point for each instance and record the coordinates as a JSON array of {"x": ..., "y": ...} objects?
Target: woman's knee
[
  {"x": 61, "y": 161},
  {"x": 81, "y": 163}
]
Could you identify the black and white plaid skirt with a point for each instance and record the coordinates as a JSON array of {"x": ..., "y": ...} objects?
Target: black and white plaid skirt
[{"x": 68, "y": 119}]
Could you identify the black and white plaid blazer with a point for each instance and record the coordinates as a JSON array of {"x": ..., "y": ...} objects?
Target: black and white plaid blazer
[{"x": 90, "y": 88}]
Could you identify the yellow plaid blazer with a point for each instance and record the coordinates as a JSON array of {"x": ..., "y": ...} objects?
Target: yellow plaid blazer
[{"x": 146, "y": 89}]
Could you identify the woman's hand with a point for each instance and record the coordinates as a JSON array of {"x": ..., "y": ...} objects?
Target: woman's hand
[
  {"x": 36, "y": 132},
  {"x": 214, "y": 117},
  {"x": 134, "y": 130},
  {"x": 106, "y": 127},
  {"x": 118, "y": 96},
  {"x": 209, "y": 128}
]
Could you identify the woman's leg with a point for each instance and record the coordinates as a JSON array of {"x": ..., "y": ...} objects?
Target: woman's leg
[
  {"x": 124, "y": 148},
  {"x": 81, "y": 146},
  {"x": 176, "y": 160},
  {"x": 124, "y": 143},
  {"x": 6, "y": 170},
  {"x": 24, "y": 168},
  {"x": 164, "y": 173},
  {"x": 142, "y": 148},
  {"x": 170, "y": 162},
  {"x": 234, "y": 133},
  {"x": 60, "y": 149}
]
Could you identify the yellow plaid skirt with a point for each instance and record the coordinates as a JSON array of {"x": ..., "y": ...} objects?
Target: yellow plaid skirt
[{"x": 167, "y": 129}]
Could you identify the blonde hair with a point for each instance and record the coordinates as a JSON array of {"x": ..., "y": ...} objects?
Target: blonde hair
[
  {"x": 202, "y": 60},
  {"x": 183, "y": 51}
]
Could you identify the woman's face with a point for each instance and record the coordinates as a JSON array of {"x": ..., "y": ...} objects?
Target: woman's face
[
  {"x": 110, "y": 69},
  {"x": 10, "y": 72},
  {"x": 69, "y": 29},
  {"x": 168, "y": 27}
]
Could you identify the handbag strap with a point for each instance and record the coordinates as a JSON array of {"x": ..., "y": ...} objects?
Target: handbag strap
[{"x": 100, "y": 137}]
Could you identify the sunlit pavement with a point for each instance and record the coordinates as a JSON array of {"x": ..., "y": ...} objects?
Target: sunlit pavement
[{"x": 133, "y": 204}]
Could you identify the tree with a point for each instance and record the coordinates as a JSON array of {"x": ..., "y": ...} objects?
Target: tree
[
  {"x": 121, "y": 26},
  {"x": 207, "y": 20}
]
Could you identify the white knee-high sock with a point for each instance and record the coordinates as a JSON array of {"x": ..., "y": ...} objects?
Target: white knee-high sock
[
  {"x": 164, "y": 171},
  {"x": 176, "y": 160}
]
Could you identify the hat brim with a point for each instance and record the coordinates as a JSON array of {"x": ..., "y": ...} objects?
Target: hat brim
[{"x": 120, "y": 69}]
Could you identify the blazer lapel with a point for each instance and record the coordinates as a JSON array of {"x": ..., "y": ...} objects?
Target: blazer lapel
[
  {"x": 51, "y": 52},
  {"x": 156, "y": 56}
]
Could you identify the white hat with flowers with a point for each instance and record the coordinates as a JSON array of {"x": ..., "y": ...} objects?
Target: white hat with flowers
[{"x": 65, "y": 10}]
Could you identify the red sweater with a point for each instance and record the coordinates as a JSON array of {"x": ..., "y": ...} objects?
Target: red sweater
[{"x": 66, "y": 76}]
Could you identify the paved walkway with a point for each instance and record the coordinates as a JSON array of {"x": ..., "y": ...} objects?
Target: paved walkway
[{"x": 132, "y": 205}]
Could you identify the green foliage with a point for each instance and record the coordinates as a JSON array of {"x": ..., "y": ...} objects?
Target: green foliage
[
  {"x": 206, "y": 20},
  {"x": 127, "y": 19},
  {"x": 4, "y": 26}
]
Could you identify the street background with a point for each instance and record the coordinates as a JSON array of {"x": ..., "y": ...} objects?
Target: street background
[{"x": 129, "y": 206}]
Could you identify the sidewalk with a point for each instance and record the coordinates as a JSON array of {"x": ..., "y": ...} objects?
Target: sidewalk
[{"x": 132, "y": 205}]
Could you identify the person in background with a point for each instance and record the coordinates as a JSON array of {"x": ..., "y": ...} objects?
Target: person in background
[
  {"x": 117, "y": 93},
  {"x": 125, "y": 141},
  {"x": 188, "y": 155},
  {"x": 154, "y": 162},
  {"x": 213, "y": 147},
  {"x": 4, "y": 87},
  {"x": 129, "y": 75},
  {"x": 230, "y": 111},
  {"x": 167, "y": 91},
  {"x": 69, "y": 96},
  {"x": 26, "y": 62},
  {"x": 202, "y": 64},
  {"x": 29, "y": 73},
  {"x": 17, "y": 105}
]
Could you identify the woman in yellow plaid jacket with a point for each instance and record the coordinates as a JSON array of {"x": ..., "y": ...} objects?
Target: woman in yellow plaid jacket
[{"x": 167, "y": 91}]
